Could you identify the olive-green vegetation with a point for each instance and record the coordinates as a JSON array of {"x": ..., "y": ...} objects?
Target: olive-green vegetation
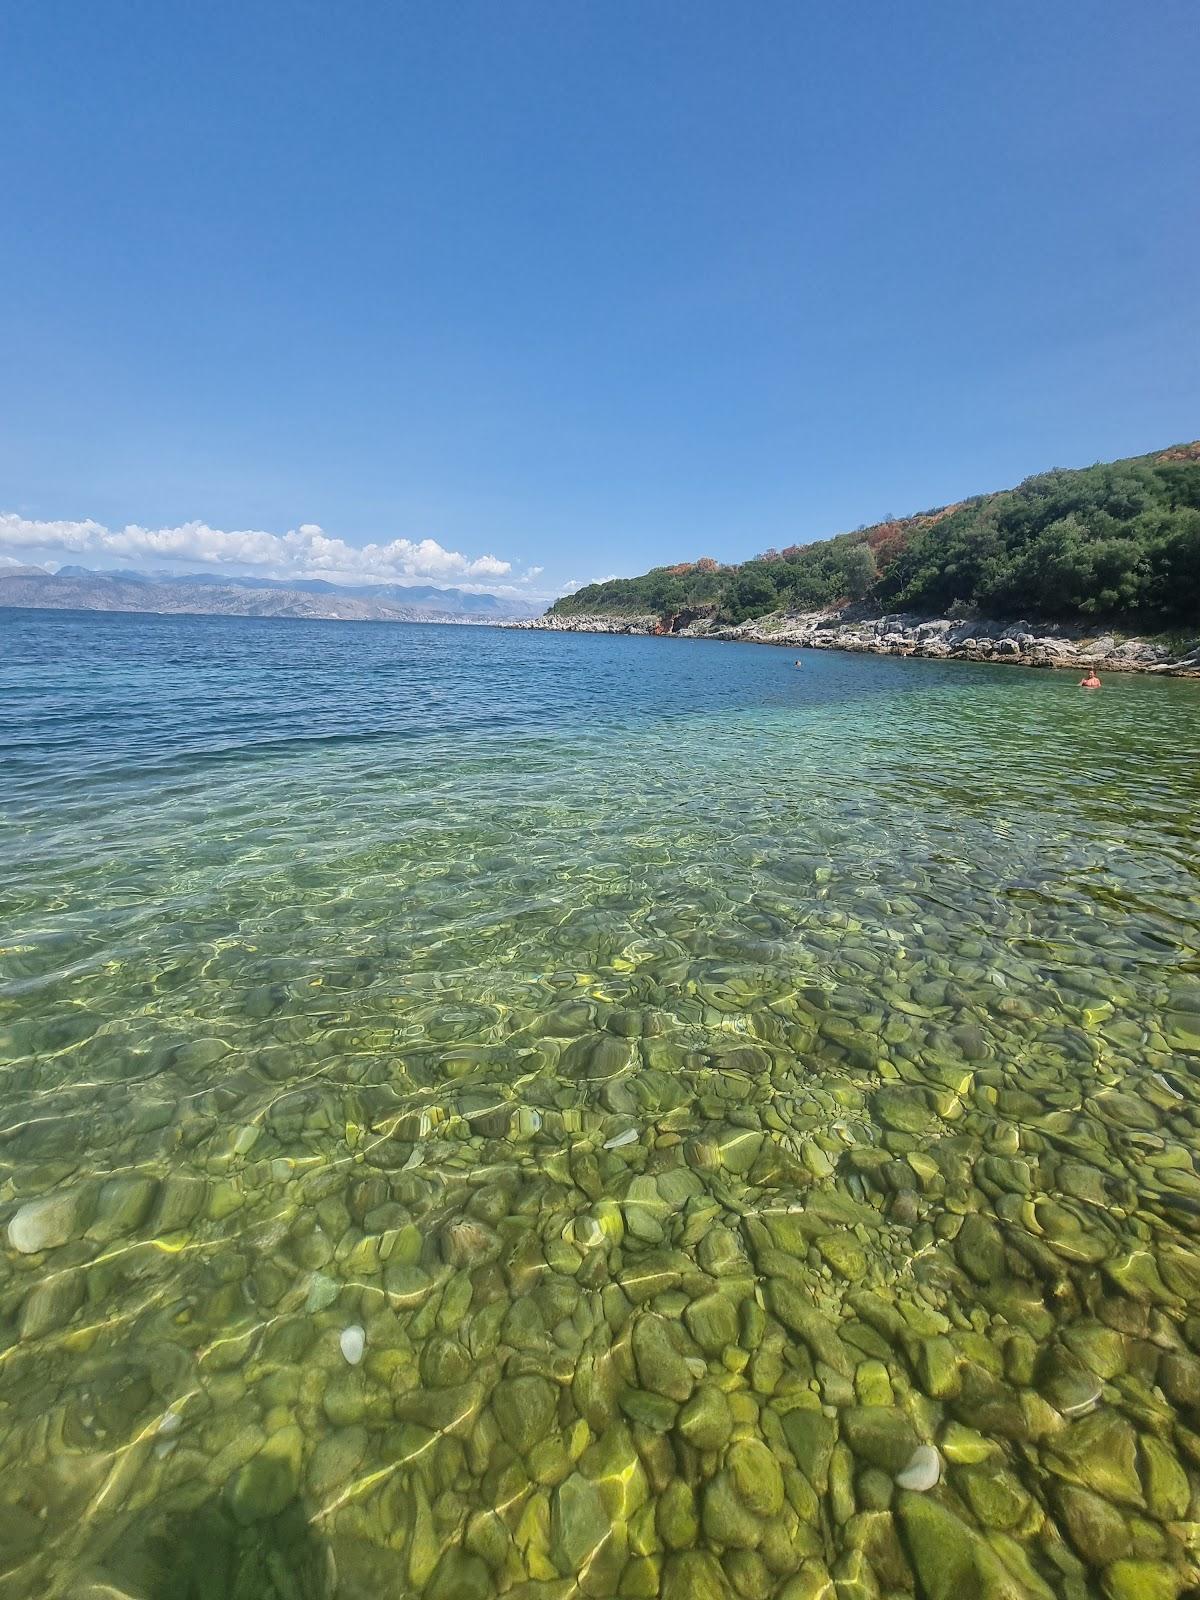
[{"x": 1115, "y": 540}]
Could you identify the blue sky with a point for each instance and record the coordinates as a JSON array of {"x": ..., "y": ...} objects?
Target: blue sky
[{"x": 486, "y": 288}]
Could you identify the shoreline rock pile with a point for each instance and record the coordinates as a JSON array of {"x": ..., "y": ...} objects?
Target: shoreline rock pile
[{"x": 938, "y": 638}]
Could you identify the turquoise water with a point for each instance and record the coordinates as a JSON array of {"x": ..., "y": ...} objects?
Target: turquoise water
[{"x": 717, "y": 1099}]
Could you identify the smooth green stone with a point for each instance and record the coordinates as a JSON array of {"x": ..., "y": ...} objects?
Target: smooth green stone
[
  {"x": 812, "y": 1582},
  {"x": 123, "y": 1205},
  {"x": 524, "y": 1408},
  {"x": 844, "y": 1254},
  {"x": 261, "y": 1488},
  {"x": 979, "y": 1249},
  {"x": 713, "y": 1322},
  {"x": 872, "y": 1385},
  {"x": 1099, "y": 1453},
  {"x": 579, "y": 1523},
  {"x": 995, "y": 1497},
  {"x": 903, "y": 1108},
  {"x": 694, "y": 1575},
  {"x": 613, "y": 1464},
  {"x": 726, "y": 1521},
  {"x": 641, "y": 1578},
  {"x": 1168, "y": 1492},
  {"x": 51, "y": 1304},
  {"x": 747, "y": 1571},
  {"x": 675, "y": 1516},
  {"x": 841, "y": 1484},
  {"x": 1097, "y": 1529},
  {"x": 336, "y": 1459},
  {"x": 853, "y": 1577},
  {"x": 817, "y": 1332},
  {"x": 881, "y": 1436},
  {"x": 1141, "y": 1580},
  {"x": 180, "y": 1199},
  {"x": 651, "y": 1410},
  {"x": 951, "y": 1561},
  {"x": 937, "y": 1368},
  {"x": 444, "y": 1363},
  {"x": 873, "y": 1489},
  {"x": 756, "y": 1476},
  {"x": 423, "y": 1548},
  {"x": 344, "y": 1401},
  {"x": 811, "y": 1436},
  {"x": 706, "y": 1420},
  {"x": 719, "y": 1252},
  {"x": 660, "y": 1366}
]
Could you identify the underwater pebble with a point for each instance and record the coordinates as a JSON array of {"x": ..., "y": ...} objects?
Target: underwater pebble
[
  {"x": 923, "y": 1471},
  {"x": 1079, "y": 1408},
  {"x": 353, "y": 1341},
  {"x": 620, "y": 1140}
]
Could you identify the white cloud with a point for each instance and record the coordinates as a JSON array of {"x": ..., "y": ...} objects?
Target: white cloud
[
  {"x": 303, "y": 552},
  {"x": 534, "y": 572}
]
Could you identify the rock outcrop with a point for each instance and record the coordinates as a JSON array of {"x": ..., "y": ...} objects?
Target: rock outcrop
[{"x": 939, "y": 638}]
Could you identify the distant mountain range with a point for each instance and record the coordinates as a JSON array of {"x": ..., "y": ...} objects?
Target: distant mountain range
[{"x": 74, "y": 588}]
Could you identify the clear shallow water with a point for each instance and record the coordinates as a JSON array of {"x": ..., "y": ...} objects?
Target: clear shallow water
[{"x": 335, "y": 957}]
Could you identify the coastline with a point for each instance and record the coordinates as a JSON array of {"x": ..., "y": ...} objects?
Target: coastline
[{"x": 1021, "y": 644}]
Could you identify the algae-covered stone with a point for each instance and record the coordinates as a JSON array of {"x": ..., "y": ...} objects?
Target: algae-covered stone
[
  {"x": 1099, "y": 1453},
  {"x": 880, "y": 1436},
  {"x": 660, "y": 1366},
  {"x": 816, "y": 1330},
  {"x": 712, "y": 1321},
  {"x": 844, "y": 1254},
  {"x": 812, "y": 1582},
  {"x": 720, "y": 1252},
  {"x": 872, "y": 1385},
  {"x": 524, "y": 1409},
  {"x": 651, "y": 1410},
  {"x": 1096, "y": 1529},
  {"x": 1166, "y": 1484},
  {"x": 579, "y": 1523},
  {"x": 675, "y": 1516},
  {"x": 811, "y": 1436},
  {"x": 694, "y": 1575},
  {"x": 459, "y": 1576},
  {"x": 51, "y": 1303},
  {"x": 903, "y": 1107},
  {"x": 996, "y": 1498},
  {"x": 444, "y": 1363},
  {"x": 980, "y": 1249},
  {"x": 950, "y": 1559},
  {"x": 122, "y": 1206},
  {"x": 706, "y": 1421},
  {"x": 1141, "y": 1580},
  {"x": 726, "y": 1520},
  {"x": 756, "y": 1476},
  {"x": 261, "y": 1488},
  {"x": 937, "y": 1368}
]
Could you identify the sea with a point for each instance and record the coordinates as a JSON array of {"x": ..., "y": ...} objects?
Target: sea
[{"x": 489, "y": 1112}]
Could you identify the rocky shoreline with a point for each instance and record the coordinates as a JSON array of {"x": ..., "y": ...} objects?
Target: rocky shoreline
[{"x": 939, "y": 638}]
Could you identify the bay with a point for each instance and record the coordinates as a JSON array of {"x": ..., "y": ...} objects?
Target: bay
[{"x": 338, "y": 965}]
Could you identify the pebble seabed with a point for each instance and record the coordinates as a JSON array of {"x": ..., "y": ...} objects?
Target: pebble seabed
[
  {"x": 691, "y": 1322},
  {"x": 868, "y": 1271}
]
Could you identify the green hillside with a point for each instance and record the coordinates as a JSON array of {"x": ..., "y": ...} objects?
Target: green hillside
[{"x": 1117, "y": 540}]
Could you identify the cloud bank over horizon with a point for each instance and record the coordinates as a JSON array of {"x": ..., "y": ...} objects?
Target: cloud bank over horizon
[{"x": 303, "y": 552}]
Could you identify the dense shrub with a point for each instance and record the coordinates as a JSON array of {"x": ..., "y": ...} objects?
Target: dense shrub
[{"x": 1115, "y": 540}]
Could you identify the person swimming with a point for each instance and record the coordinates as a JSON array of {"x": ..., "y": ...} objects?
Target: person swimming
[{"x": 1091, "y": 681}]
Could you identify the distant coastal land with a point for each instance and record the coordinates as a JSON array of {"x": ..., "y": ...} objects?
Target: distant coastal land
[
  {"x": 205, "y": 594},
  {"x": 1100, "y": 564}
]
